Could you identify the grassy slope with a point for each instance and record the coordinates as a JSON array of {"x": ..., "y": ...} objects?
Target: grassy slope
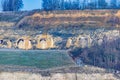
[
  {"x": 37, "y": 18},
  {"x": 39, "y": 59}
]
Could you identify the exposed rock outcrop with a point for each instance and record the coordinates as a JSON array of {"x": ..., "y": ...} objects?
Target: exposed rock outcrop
[
  {"x": 34, "y": 40},
  {"x": 45, "y": 41},
  {"x": 83, "y": 41},
  {"x": 24, "y": 43},
  {"x": 69, "y": 43},
  {"x": 5, "y": 43}
]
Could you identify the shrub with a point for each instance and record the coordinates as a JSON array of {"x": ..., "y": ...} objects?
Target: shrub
[{"x": 106, "y": 55}]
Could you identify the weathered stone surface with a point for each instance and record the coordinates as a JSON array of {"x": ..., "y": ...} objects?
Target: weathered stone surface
[
  {"x": 83, "y": 41},
  {"x": 9, "y": 44},
  {"x": 61, "y": 39},
  {"x": 69, "y": 43},
  {"x": 24, "y": 43},
  {"x": 5, "y": 43},
  {"x": 45, "y": 41}
]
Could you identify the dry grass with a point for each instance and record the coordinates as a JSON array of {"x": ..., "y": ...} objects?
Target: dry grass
[
  {"x": 87, "y": 17},
  {"x": 56, "y": 76},
  {"x": 73, "y": 14},
  {"x": 7, "y": 24},
  {"x": 40, "y": 19},
  {"x": 118, "y": 14}
]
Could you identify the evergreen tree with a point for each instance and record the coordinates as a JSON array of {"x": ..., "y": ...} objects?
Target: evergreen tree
[
  {"x": 12, "y": 5},
  {"x": 62, "y": 4},
  {"x": 102, "y": 4},
  {"x": 47, "y": 5},
  {"x": 77, "y": 2},
  {"x": 113, "y": 4}
]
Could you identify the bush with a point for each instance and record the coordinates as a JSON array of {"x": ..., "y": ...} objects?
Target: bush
[{"x": 106, "y": 56}]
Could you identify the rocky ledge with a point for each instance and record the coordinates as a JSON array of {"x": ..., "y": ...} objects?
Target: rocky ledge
[{"x": 56, "y": 39}]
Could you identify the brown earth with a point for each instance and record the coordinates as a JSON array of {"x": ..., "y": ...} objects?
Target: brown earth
[{"x": 82, "y": 18}]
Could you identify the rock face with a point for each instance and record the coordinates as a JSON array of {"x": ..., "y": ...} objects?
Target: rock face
[
  {"x": 9, "y": 44},
  {"x": 83, "y": 41},
  {"x": 65, "y": 29},
  {"x": 45, "y": 41},
  {"x": 5, "y": 43},
  {"x": 57, "y": 38},
  {"x": 89, "y": 39},
  {"x": 69, "y": 43},
  {"x": 24, "y": 43}
]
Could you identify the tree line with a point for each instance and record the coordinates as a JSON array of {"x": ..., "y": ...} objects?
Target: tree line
[
  {"x": 49, "y": 5},
  {"x": 79, "y": 4},
  {"x": 11, "y": 5}
]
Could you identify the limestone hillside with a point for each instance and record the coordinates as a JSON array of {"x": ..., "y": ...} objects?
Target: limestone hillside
[
  {"x": 37, "y": 18},
  {"x": 58, "y": 29}
]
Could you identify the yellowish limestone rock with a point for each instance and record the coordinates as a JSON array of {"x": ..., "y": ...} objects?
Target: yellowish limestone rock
[
  {"x": 118, "y": 14},
  {"x": 83, "y": 41},
  {"x": 9, "y": 44},
  {"x": 4, "y": 43},
  {"x": 45, "y": 41},
  {"x": 69, "y": 43},
  {"x": 1, "y": 41},
  {"x": 36, "y": 15},
  {"x": 24, "y": 43}
]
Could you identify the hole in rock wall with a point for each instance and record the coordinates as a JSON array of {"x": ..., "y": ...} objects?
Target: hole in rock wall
[{"x": 24, "y": 43}]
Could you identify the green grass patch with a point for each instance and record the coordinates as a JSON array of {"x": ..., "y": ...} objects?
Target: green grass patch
[{"x": 36, "y": 58}]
